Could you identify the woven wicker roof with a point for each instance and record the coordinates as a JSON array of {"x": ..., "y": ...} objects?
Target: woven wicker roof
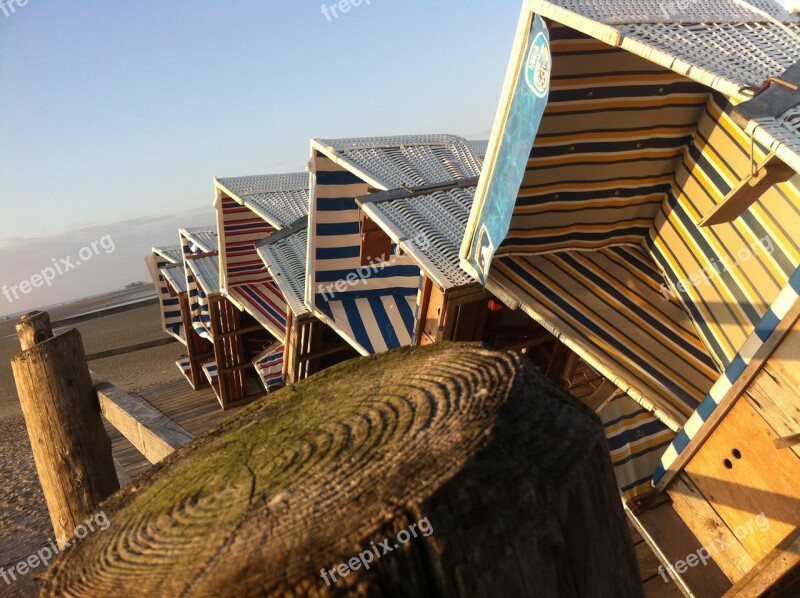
[
  {"x": 430, "y": 227},
  {"x": 175, "y": 274},
  {"x": 622, "y": 12},
  {"x": 411, "y": 160},
  {"x": 285, "y": 258},
  {"x": 205, "y": 237},
  {"x": 206, "y": 271},
  {"x": 479, "y": 147},
  {"x": 280, "y": 199},
  {"x": 172, "y": 253}
]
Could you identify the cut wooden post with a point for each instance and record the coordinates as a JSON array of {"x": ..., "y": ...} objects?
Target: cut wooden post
[
  {"x": 470, "y": 474},
  {"x": 34, "y": 328},
  {"x": 70, "y": 446}
]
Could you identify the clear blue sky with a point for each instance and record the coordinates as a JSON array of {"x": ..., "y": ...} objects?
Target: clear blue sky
[
  {"x": 113, "y": 111},
  {"x": 115, "y": 115}
]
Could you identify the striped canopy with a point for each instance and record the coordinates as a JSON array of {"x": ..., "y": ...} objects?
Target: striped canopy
[
  {"x": 250, "y": 209},
  {"x": 371, "y": 306},
  {"x": 195, "y": 242},
  {"x": 640, "y": 141},
  {"x": 162, "y": 262}
]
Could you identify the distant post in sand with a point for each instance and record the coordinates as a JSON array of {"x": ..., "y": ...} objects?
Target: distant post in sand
[{"x": 70, "y": 446}]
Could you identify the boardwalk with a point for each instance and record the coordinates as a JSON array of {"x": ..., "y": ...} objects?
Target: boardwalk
[{"x": 196, "y": 411}]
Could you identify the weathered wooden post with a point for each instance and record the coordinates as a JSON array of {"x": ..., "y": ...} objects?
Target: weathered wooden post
[
  {"x": 70, "y": 446},
  {"x": 450, "y": 470}
]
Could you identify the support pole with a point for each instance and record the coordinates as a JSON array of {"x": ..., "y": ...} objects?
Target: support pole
[{"x": 70, "y": 446}]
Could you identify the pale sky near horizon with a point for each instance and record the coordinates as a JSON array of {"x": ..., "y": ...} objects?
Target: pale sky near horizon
[{"x": 116, "y": 116}]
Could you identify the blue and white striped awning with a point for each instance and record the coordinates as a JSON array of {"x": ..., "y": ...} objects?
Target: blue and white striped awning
[{"x": 160, "y": 261}]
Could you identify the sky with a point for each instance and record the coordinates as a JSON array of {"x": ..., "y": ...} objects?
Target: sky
[{"x": 115, "y": 115}]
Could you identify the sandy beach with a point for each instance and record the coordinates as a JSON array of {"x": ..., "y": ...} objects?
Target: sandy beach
[{"x": 24, "y": 522}]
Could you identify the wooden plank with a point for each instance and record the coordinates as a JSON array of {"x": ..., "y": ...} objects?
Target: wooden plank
[
  {"x": 732, "y": 396},
  {"x": 743, "y": 475},
  {"x": 148, "y": 429},
  {"x": 775, "y": 392},
  {"x": 749, "y": 190},
  {"x": 781, "y": 567},
  {"x": 132, "y": 348},
  {"x": 673, "y": 543},
  {"x": 704, "y": 522}
]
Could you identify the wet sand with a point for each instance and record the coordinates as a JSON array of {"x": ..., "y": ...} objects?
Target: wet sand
[{"x": 24, "y": 522}]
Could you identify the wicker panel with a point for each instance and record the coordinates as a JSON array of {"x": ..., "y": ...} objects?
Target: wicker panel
[
  {"x": 413, "y": 160},
  {"x": 206, "y": 270},
  {"x": 619, "y": 12},
  {"x": 280, "y": 199},
  {"x": 176, "y": 276},
  {"x": 742, "y": 53},
  {"x": 173, "y": 253},
  {"x": 479, "y": 147},
  {"x": 203, "y": 239},
  {"x": 286, "y": 261},
  {"x": 434, "y": 224},
  {"x": 785, "y": 130}
]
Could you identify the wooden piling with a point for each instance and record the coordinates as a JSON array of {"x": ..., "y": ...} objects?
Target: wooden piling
[
  {"x": 70, "y": 446},
  {"x": 456, "y": 470}
]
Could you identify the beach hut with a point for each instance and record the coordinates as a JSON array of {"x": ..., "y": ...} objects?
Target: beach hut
[
  {"x": 168, "y": 271},
  {"x": 640, "y": 201},
  {"x": 359, "y": 283},
  {"x": 159, "y": 259},
  {"x": 230, "y": 340},
  {"x": 250, "y": 209}
]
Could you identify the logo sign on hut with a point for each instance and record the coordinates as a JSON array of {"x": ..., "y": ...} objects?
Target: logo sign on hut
[{"x": 494, "y": 205}]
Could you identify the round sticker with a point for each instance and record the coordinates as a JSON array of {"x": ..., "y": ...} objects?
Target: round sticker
[{"x": 538, "y": 72}]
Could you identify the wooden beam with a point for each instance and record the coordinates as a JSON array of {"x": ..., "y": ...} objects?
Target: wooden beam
[
  {"x": 749, "y": 190},
  {"x": 735, "y": 392},
  {"x": 152, "y": 433},
  {"x": 705, "y": 523},
  {"x": 132, "y": 348},
  {"x": 779, "y": 570}
]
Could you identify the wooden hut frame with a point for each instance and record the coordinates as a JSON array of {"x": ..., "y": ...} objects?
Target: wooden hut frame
[
  {"x": 359, "y": 284},
  {"x": 308, "y": 346},
  {"x": 647, "y": 132}
]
